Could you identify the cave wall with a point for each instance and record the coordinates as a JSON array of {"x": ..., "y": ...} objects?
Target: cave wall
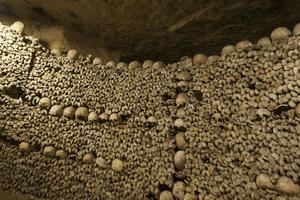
[{"x": 158, "y": 30}]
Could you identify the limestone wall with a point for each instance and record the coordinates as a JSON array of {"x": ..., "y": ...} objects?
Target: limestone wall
[{"x": 142, "y": 29}]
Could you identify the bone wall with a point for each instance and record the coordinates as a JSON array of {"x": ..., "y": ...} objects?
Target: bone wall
[{"x": 217, "y": 127}]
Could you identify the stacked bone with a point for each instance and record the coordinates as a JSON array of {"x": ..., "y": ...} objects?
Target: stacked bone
[
  {"x": 245, "y": 145},
  {"x": 16, "y": 55},
  {"x": 100, "y": 146},
  {"x": 126, "y": 158},
  {"x": 184, "y": 103},
  {"x": 105, "y": 90},
  {"x": 231, "y": 131}
]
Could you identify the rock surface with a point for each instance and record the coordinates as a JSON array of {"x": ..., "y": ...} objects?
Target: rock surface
[{"x": 136, "y": 30}]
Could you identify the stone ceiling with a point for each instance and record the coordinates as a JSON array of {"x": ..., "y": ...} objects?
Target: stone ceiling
[{"x": 141, "y": 29}]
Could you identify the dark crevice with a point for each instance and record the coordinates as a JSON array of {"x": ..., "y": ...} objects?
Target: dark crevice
[
  {"x": 27, "y": 41},
  {"x": 222, "y": 127},
  {"x": 236, "y": 162},
  {"x": 251, "y": 86},
  {"x": 2, "y": 74},
  {"x": 205, "y": 159},
  {"x": 72, "y": 157},
  {"x": 163, "y": 187},
  {"x": 280, "y": 109},
  {"x": 2, "y": 102},
  {"x": 124, "y": 117},
  {"x": 180, "y": 129},
  {"x": 176, "y": 149},
  {"x": 38, "y": 94},
  {"x": 173, "y": 132},
  {"x": 32, "y": 62},
  {"x": 166, "y": 97},
  {"x": 177, "y": 178},
  {"x": 150, "y": 196},
  {"x": 198, "y": 95},
  {"x": 44, "y": 43},
  {"x": 119, "y": 71},
  {"x": 13, "y": 92},
  {"x": 41, "y": 12},
  {"x": 36, "y": 147},
  {"x": 81, "y": 118},
  {"x": 8, "y": 140}
]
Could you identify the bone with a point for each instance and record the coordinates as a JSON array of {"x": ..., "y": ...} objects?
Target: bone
[
  {"x": 184, "y": 76},
  {"x": 152, "y": 120},
  {"x": 17, "y": 26},
  {"x": 264, "y": 181},
  {"x": 56, "y": 110},
  {"x": 166, "y": 195},
  {"x": 72, "y": 54},
  {"x": 183, "y": 85},
  {"x": 82, "y": 113},
  {"x": 113, "y": 117},
  {"x": 44, "y": 103},
  {"x": 158, "y": 65},
  {"x": 24, "y": 147},
  {"x": 179, "y": 160},
  {"x": 97, "y": 61},
  {"x": 102, "y": 163},
  {"x": 286, "y": 185},
  {"x": 69, "y": 112},
  {"x": 178, "y": 190},
  {"x": 264, "y": 42},
  {"x": 213, "y": 58},
  {"x": 179, "y": 124},
  {"x": 182, "y": 99},
  {"x": 180, "y": 113},
  {"x": 117, "y": 165},
  {"x": 134, "y": 65},
  {"x": 111, "y": 64},
  {"x": 236, "y": 131},
  {"x": 88, "y": 158},
  {"x": 180, "y": 141},
  {"x": 243, "y": 45},
  {"x": 227, "y": 50},
  {"x": 189, "y": 196},
  {"x": 297, "y": 110},
  {"x": 199, "y": 59},
  {"x": 61, "y": 154},
  {"x": 147, "y": 64},
  {"x": 49, "y": 151},
  {"x": 296, "y": 30},
  {"x": 93, "y": 116},
  {"x": 122, "y": 65},
  {"x": 103, "y": 117},
  {"x": 56, "y": 52},
  {"x": 280, "y": 34}
]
